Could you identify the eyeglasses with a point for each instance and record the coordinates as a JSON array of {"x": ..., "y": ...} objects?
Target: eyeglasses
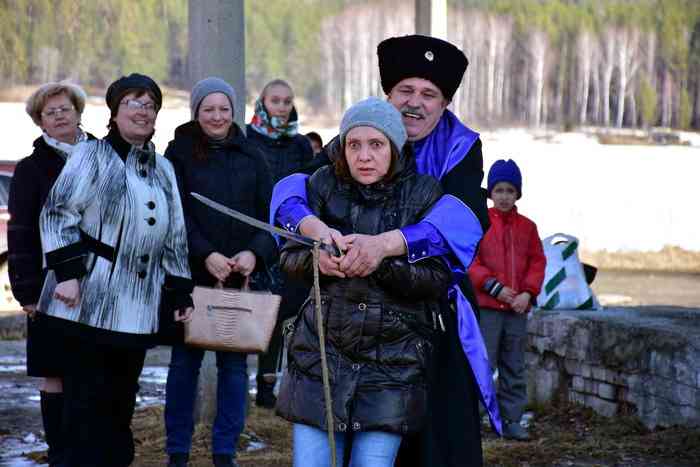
[
  {"x": 55, "y": 112},
  {"x": 133, "y": 104}
]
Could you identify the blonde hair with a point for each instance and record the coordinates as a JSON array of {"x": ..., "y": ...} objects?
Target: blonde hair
[
  {"x": 37, "y": 101},
  {"x": 275, "y": 82}
]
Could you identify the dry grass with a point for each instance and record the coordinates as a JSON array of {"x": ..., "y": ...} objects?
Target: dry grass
[
  {"x": 625, "y": 139},
  {"x": 561, "y": 435},
  {"x": 572, "y": 434},
  {"x": 261, "y": 426},
  {"x": 670, "y": 258}
]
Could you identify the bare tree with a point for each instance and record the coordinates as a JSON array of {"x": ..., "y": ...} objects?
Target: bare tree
[
  {"x": 627, "y": 64},
  {"x": 500, "y": 37},
  {"x": 607, "y": 66},
  {"x": 584, "y": 52},
  {"x": 537, "y": 47},
  {"x": 667, "y": 86},
  {"x": 516, "y": 73}
]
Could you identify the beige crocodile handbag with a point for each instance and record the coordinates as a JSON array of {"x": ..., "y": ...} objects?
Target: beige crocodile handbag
[{"x": 231, "y": 319}]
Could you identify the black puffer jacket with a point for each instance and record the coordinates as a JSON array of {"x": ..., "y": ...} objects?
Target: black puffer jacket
[
  {"x": 234, "y": 174},
  {"x": 378, "y": 328}
]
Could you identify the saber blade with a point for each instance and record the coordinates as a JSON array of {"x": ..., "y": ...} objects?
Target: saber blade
[{"x": 307, "y": 241}]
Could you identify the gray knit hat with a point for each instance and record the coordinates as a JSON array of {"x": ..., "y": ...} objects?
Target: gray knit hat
[
  {"x": 208, "y": 86},
  {"x": 378, "y": 114}
]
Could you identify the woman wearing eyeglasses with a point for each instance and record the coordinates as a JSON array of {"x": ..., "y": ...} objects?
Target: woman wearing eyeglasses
[
  {"x": 56, "y": 109},
  {"x": 114, "y": 236}
]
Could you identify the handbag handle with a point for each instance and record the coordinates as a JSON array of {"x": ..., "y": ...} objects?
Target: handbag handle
[{"x": 245, "y": 286}]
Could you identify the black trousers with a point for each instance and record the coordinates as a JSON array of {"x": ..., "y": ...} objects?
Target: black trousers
[
  {"x": 100, "y": 386},
  {"x": 452, "y": 435}
]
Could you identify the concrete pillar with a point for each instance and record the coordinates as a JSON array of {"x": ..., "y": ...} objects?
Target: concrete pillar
[
  {"x": 217, "y": 45},
  {"x": 216, "y": 48},
  {"x": 431, "y": 18}
]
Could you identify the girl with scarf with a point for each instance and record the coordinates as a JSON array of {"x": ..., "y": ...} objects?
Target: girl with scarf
[
  {"x": 274, "y": 131},
  {"x": 56, "y": 108}
]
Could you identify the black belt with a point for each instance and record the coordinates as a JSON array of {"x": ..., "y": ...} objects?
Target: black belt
[{"x": 97, "y": 247}]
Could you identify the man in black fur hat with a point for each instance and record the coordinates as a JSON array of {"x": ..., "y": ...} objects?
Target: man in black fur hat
[{"x": 420, "y": 75}]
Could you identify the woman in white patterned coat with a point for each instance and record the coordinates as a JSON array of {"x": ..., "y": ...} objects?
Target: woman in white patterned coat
[{"x": 113, "y": 234}]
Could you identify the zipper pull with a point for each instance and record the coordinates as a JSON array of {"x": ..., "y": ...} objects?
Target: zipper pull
[{"x": 442, "y": 325}]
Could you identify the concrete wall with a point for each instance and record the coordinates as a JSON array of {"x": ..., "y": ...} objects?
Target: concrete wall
[{"x": 644, "y": 361}]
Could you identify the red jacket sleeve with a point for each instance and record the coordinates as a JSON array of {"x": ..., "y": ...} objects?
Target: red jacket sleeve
[
  {"x": 536, "y": 263},
  {"x": 479, "y": 274}
]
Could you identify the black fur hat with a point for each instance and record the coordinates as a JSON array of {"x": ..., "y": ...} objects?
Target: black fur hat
[{"x": 425, "y": 57}]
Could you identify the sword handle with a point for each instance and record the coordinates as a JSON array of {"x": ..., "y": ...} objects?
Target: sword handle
[{"x": 332, "y": 249}]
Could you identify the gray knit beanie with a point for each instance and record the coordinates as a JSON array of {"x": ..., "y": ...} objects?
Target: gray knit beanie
[
  {"x": 208, "y": 86},
  {"x": 378, "y": 114}
]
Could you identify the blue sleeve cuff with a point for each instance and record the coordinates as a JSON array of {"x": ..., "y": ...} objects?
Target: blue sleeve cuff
[
  {"x": 423, "y": 241},
  {"x": 291, "y": 212}
]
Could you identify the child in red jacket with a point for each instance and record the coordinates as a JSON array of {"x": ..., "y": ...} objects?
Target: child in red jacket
[{"x": 507, "y": 274}]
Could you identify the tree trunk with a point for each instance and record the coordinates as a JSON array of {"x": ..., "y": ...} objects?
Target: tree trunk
[
  {"x": 560, "y": 109},
  {"x": 538, "y": 49},
  {"x": 667, "y": 99},
  {"x": 634, "y": 120},
  {"x": 584, "y": 75},
  {"x": 491, "y": 66},
  {"x": 606, "y": 74},
  {"x": 622, "y": 85},
  {"x": 597, "y": 97},
  {"x": 628, "y": 62}
]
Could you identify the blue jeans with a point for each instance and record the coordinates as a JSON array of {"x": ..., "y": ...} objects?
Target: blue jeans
[
  {"x": 181, "y": 391},
  {"x": 369, "y": 448}
]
